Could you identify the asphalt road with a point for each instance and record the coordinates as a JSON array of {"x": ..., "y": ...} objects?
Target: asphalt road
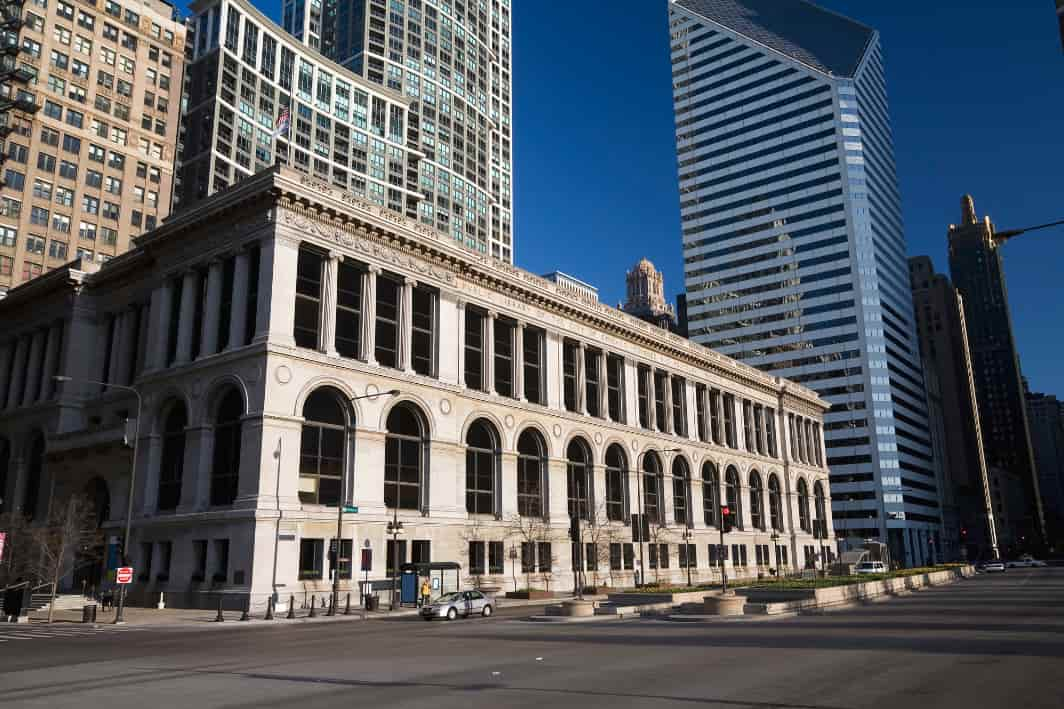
[{"x": 993, "y": 641}]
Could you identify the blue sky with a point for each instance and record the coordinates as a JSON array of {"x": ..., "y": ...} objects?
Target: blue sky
[{"x": 977, "y": 102}]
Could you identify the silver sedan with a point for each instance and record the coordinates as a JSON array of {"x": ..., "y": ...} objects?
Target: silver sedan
[{"x": 462, "y": 603}]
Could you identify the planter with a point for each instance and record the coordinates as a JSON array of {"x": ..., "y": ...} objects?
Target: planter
[
  {"x": 577, "y": 609},
  {"x": 728, "y": 604},
  {"x": 530, "y": 595}
]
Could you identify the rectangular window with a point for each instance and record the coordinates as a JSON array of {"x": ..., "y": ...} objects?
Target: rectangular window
[
  {"x": 590, "y": 557},
  {"x": 545, "y": 556},
  {"x": 661, "y": 380},
  {"x": 221, "y": 561},
  {"x": 503, "y": 342},
  {"x": 395, "y": 555},
  {"x": 592, "y": 382},
  {"x": 308, "y": 299},
  {"x": 423, "y": 337},
  {"x": 387, "y": 325},
  {"x": 748, "y": 426},
  {"x": 729, "y": 421},
  {"x": 474, "y": 349},
  {"x": 615, "y": 556},
  {"x": 496, "y": 555},
  {"x": 528, "y": 557},
  {"x": 570, "y": 352},
  {"x": 759, "y": 428},
  {"x": 644, "y": 396},
  {"x": 422, "y": 551},
  {"x": 700, "y": 412},
  {"x": 533, "y": 364},
  {"x": 199, "y": 560},
  {"x": 679, "y": 406},
  {"x": 311, "y": 552},
  {"x": 343, "y": 563},
  {"x": 770, "y": 431},
  {"x": 476, "y": 558},
  {"x": 652, "y": 556},
  {"x": 629, "y": 557},
  {"x": 615, "y": 388},
  {"x": 349, "y": 310}
]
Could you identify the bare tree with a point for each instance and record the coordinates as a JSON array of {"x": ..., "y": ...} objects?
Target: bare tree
[
  {"x": 600, "y": 534},
  {"x": 659, "y": 534},
  {"x": 67, "y": 537},
  {"x": 529, "y": 530},
  {"x": 474, "y": 531}
]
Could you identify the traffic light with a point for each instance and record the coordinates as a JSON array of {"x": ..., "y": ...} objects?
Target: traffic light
[
  {"x": 964, "y": 533},
  {"x": 726, "y": 518}
]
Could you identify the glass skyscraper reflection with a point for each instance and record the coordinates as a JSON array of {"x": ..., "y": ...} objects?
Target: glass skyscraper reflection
[{"x": 794, "y": 252}]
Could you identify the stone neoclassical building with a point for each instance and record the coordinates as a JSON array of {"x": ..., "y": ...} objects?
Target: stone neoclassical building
[{"x": 254, "y": 327}]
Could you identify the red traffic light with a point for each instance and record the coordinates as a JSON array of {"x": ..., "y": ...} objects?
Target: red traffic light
[{"x": 725, "y": 511}]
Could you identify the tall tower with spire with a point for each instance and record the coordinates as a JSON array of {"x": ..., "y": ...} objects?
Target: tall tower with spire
[{"x": 646, "y": 296}]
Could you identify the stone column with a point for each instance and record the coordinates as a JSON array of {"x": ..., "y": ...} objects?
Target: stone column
[
  {"x": 369, "y": 315},
  {"x": 460, "y": 309},
  {"x": 275, "y": 310},
  {"x": 187, "y": 317},
  {"x": 152, "y": 459},
  {"x": 197, "y": 482},
  {"x": 51, "y": 362},
  {"x": 159, "y": 326},
  {"x": 33, "y": 368},
  {"x": 327, "y": 336},
  {"x": 114, "y": 331},
  {"x": 144, "y": 319},
  {"x": 489, "y": 351},
  {"x": 238, "y": 311},
  {"x": 652, "y": 409},
  {"x": 127, "y": 346},
  {"x": 581, "y": 380},
  {"x": 406, "y": 326},
  {"x": 553, "y": 366},
  {"x": 7, "y": 352},
  {"x": 519, "y": 361},
  {"x": 631, "y": 393},
  {"x": 669, "y": 423},
  {"x": 211, "y": 310}
]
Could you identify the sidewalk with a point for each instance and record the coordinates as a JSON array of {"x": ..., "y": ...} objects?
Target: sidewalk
[{"x": 198, "y": 617}]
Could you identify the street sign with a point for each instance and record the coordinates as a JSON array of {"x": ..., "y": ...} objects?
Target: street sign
[
  {"x": 350, "y": 509},
  {"x": 124, "y": 575}
]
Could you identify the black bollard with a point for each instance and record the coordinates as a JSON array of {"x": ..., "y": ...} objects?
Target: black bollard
[
  {"x": 245, "y": 616},
  {"x": 219, "y": 618},
  {"x": 269, "y": 609},
  {"x": 291, "y": 607},
  {"x": 347, "y": 608},
  {"x": 313, "y": 607}
]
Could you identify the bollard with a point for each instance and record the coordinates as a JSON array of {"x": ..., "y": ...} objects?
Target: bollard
[
  {"x": 219, "y": 618},
  {"x": 269, "y": 609},
  {"x": 245, "y": 616},
  {"x": 347, "y": 608},
  {"x": 291, "y": 607},
  {"x": 313, "y": 607}
]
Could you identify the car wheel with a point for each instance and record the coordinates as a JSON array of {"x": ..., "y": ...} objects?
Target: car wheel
[
  {"x": 487, "y": 611},
  {"x": 452, "y": 614}
]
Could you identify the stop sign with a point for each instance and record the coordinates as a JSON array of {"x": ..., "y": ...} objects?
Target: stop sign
[{"x": 124, "y": 575}]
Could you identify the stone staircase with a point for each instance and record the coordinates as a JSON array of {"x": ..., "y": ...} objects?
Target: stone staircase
[{"x": 39, "y": 602}]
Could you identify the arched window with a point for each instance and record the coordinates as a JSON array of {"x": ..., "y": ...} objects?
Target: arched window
[
  {"x": 681, "y": 491},
  {"x": 323, "y": 448},
  {"x": 775, "y": 503},
  {"x": 616, "y": 483},
  {"x": 820, "y": 530},
  {"x": 652, "y": 474},
  {"x": 803, "y": 506},
  {"x": 482, "y": 456},
  {"x": 5, "y": 465},
  {"x": 578, "y": 469},
  {"x": 710, "y": 495},
  {"x": 405, "y": 457},
  {"x": 32, "y": 495},
  {"x": 172, "y": 468},
  {"x": 731, "y": 494},
  {"x": 757, "y": 501},
  {"x": 226, "y": 458},
  {"x": 531, "y": 469}
]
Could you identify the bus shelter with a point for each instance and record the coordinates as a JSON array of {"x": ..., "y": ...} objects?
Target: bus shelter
[{"x": 443, "y": 578}]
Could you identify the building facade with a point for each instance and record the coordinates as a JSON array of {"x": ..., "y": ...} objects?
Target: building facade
[
  {"x": 968, "y": 515},
  {"x": 452, "y": 60},
  {"x": 794, "y": 253},
  {"x": 979, "y": 275},
  {"x": 257, "y": 98},
  {"x": 645, "y": 296},
  {"x": 92, "y": 166},
  {"x": 1045, "y": 414},
  {"x": 266, "y": 331}
]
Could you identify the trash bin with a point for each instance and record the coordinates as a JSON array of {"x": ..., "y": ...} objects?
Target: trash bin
[
  {"x": 88, "y": 613},
  {"x": 372, "y": 603}
]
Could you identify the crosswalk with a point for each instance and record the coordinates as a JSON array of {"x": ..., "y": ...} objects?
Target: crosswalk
[{"x": 12, "y": 634}]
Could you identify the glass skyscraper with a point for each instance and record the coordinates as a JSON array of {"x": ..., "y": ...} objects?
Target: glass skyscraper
[
  {"x": 794, "y": 252},
  {"x": 452, "y": 60}
]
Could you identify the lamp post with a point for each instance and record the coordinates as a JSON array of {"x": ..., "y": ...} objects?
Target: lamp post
[
  {"x": 775, "y": 537},
  {"x": 132, "y": 481},
  {"x": 340, "y": 519},
  {"x": 395, "y": 528}
]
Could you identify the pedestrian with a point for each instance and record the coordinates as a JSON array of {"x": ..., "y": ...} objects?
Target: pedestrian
[{"x": 426, "y": 592}]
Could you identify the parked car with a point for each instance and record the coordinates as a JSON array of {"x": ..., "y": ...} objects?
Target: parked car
[
  {"x": 462, "y": 603},
  {"x": 1026, "y": 562},
  {"x": 995, "y": 566},
  {"x": 872, "y": 567}
]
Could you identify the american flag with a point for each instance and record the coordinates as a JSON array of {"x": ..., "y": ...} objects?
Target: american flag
[{"x": 284, "y": 121}]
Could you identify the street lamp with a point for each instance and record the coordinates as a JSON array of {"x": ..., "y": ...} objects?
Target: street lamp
[
  {"x": 775, "y": 537},
  {"x": 132, "y": 480},
  {"x": 340, "y": 519},
  {"x": 395, "y": 528}
]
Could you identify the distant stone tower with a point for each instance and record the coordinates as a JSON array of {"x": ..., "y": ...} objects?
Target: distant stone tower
[{"x": 646, "y": 296}]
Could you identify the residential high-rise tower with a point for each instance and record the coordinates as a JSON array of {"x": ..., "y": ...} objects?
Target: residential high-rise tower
[
  {"x": 794, "y": 253},
  {"x": 452, "y": 61}
]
